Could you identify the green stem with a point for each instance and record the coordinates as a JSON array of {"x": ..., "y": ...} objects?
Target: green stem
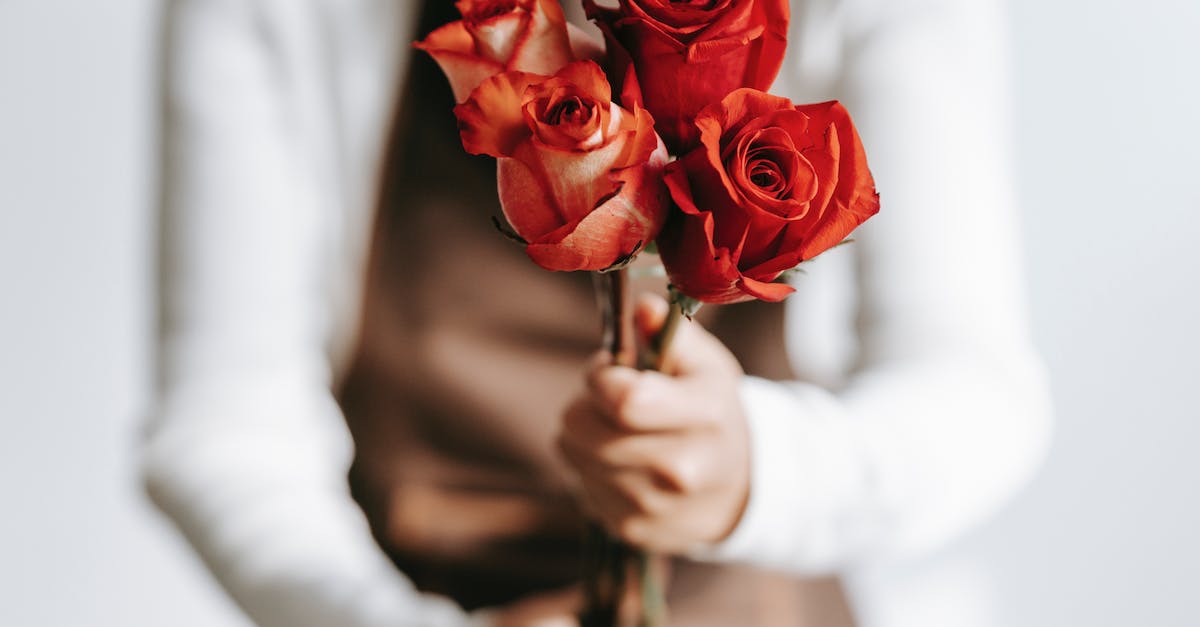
[
  {"x": 661, "y": 342},
  {"x": 607, "y": 560},
  {"x": 654, "y": 602}
]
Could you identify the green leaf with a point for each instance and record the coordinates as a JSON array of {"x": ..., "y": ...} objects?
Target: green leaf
[{"x": 688, "y": 305}]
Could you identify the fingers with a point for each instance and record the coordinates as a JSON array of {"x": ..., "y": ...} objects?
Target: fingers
[
  {"x": 697, "y": 364},
  {"x": 617, "y": 495},
  {"x": 587, "y": 434},
  {"x": 660, "y": 489},
  {"x": 666, "y": 461},
  {"x": 634, "y": 504},
  {"x": 593, "y": 446},
  {"x": 662, "y": 457},
  {"x": 644, "y": 401}
]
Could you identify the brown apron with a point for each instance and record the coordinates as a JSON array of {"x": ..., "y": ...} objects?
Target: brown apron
[{"x": 467, "y": 354}]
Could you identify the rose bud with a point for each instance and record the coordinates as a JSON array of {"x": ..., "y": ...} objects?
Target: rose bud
[
  {"x": 580, "y": 178},
  {"x": 771, "y": 184},
  {"x": 679, "y": 57},
  {"x": 497, "y": 36}
]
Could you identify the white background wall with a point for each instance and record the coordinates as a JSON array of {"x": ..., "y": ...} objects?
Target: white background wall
[
  {"x": 1108, "y": 114},
  {"x": 79, "y": 546}
]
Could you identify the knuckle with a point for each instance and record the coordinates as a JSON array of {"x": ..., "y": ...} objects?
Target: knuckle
[{"x": 627, "y": 407}]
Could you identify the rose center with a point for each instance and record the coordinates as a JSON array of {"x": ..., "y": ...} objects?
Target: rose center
[
  {"x": 766, "y": 176},
  {"x": 769, "y": 169},
  {"x": 765, "y": 166},
  {"x": 569, "y": 111},
  {"x": 565, "y": 118}
]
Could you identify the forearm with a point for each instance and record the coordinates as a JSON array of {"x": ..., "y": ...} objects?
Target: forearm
[
  {"x": 942, "y": 412},
  {"x": 247, "y": 451},
  {"x": 899, "y": 463},
  {"x": 252, "y": 470}
]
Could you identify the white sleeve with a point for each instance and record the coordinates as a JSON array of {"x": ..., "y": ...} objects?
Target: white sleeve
[
  {"x": 247, "y": 451},
  {"x": 946, "y": 413}
]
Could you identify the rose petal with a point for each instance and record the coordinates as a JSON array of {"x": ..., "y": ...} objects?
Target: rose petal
[
  {"x": 686, "y": 21},
  {"x": 645, "y": 141},
  {"x": 588, "y": 78},
  {"x": 615, "y": 229},
  {"x": 496, "y": 38},
  {"x": 545, "y": 46},
  {"x": 618, "y": 227},
  {"x": 765, "y": 64},
  {"x": 576, "y": 180},
  {"x": 710, "y": 50},
  {"x": 680, "y": 188},
  {"x": 771, "y": 292},
  {"x": 491, "y": 121},
  {"x": 584, "y": 83},
  {"x": 525, "y": 200},
  {"x": 565, "y": 120},
  {"x": 789, "y": 257},
  {"x": 744, "y": 107},
  {"x": 694, "y": 265},
  {"x": 854, "y": 198},
  {"x": 453, "y": 48}
]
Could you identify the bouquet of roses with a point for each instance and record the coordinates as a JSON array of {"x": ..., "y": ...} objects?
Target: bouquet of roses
[{"x": 661, "y": 137}]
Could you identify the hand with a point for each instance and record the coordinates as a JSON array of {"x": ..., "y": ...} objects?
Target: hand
[
  {"x": 663, "y": 457},
  {"x": 549, "y": 609}
]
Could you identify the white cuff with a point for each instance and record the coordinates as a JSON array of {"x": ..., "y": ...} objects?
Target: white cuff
[{"x": 805, "y": 471}]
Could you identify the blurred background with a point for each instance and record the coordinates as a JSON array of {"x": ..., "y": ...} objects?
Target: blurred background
[{"x": 1107, "y": 113}]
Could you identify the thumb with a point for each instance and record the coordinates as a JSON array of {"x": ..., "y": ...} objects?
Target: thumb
[
  {"x": 649, "y": 314},
  {"x": 692, "y": 351}
]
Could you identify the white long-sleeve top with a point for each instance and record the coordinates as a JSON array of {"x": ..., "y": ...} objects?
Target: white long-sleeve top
[{"x": 924, "y": 404}]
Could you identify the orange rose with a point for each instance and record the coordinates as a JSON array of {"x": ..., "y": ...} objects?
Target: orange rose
[
  {"x": 580, "y": 178},
  {"x": 771, "y": 184},
  {"x": 497, "y": 36}
]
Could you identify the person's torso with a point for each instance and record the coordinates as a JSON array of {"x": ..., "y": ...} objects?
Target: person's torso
[{"x": 467, "y": 354}]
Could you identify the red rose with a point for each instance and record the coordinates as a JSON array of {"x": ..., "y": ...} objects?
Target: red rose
[
  {"x": 580, "y": 178},
  {"x": 679, "y": 57},
  {"x": 770, "y": 185},
  {"x": 497, "y": 36}
]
